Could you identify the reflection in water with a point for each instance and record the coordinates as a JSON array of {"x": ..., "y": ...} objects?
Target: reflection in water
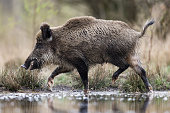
[
  {"x": 145, "y": 104},
  {"x": 82, "y": 109},
  {"x": 53, "y": 109},
  {"x": 116, "y": 108},
  {"x": 84, "y": 106},
  {"x": 96, "y": 102}
]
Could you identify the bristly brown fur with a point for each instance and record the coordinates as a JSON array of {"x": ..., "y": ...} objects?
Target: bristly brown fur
[{"x": 95, "y": 40}]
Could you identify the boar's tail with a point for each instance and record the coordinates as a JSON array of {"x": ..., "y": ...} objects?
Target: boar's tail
[{"x": 147, "y": 24}]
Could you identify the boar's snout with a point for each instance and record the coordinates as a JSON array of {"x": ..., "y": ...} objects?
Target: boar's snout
[
  {"x": 31, "y": 64},
  {"x": 23, "y": 66}
]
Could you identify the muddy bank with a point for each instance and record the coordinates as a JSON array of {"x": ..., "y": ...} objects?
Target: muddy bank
[{"x": 55, "y": 89}]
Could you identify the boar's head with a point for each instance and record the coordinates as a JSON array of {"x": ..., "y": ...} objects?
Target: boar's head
[{"x": 43, "y": 50}]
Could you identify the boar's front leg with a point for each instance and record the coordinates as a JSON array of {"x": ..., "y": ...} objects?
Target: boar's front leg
[
  {"x": 82, "y": 68},
  {"x": 57, "y": 71}
]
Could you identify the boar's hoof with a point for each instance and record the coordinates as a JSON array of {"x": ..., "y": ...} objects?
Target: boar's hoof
[
  {"x": 114, "y": 80},
  {"x": 49, "y": 89},
  {"x": 86, "y": 91},
  {"x": 150, "y": 89},
  {"x": 50, "y": 84}
]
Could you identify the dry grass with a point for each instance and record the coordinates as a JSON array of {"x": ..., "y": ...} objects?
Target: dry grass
[
  {"x": 99, "y": 78},
  {"x": 133, "y": 83},
  {"x": 14, "y": 78}
]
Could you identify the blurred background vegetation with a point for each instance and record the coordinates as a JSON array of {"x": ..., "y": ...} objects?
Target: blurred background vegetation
[{"x": 21, "y": 19}]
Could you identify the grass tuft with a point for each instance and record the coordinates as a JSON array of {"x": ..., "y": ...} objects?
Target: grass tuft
[
  {"x": 133, "y": 83},
  {"x": 158, "y": 80},
  {"x": 100, "y": 79},
  {"x": 14, "y": 79}
]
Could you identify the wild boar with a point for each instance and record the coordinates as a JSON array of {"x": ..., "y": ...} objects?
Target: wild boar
[{"x": 86, "y": 41}]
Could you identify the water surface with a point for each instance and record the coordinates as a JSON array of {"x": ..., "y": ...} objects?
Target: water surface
[{"x": 77, "y": 102}]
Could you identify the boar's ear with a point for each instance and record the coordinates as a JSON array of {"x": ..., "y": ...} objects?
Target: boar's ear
[{"x": 46, "y": 31}]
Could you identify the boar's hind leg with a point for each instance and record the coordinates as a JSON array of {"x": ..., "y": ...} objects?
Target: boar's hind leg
[
  {"x": 140, "y": 71},
  {"x": 57, "y": 71},
  {"x": 118, "y": 72}
]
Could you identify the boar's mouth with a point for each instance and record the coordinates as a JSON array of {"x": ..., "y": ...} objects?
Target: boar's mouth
[{"x": 32, "y": 64}]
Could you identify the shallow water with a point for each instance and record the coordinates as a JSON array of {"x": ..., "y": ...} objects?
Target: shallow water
[{"x": 76, "y": 102}]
